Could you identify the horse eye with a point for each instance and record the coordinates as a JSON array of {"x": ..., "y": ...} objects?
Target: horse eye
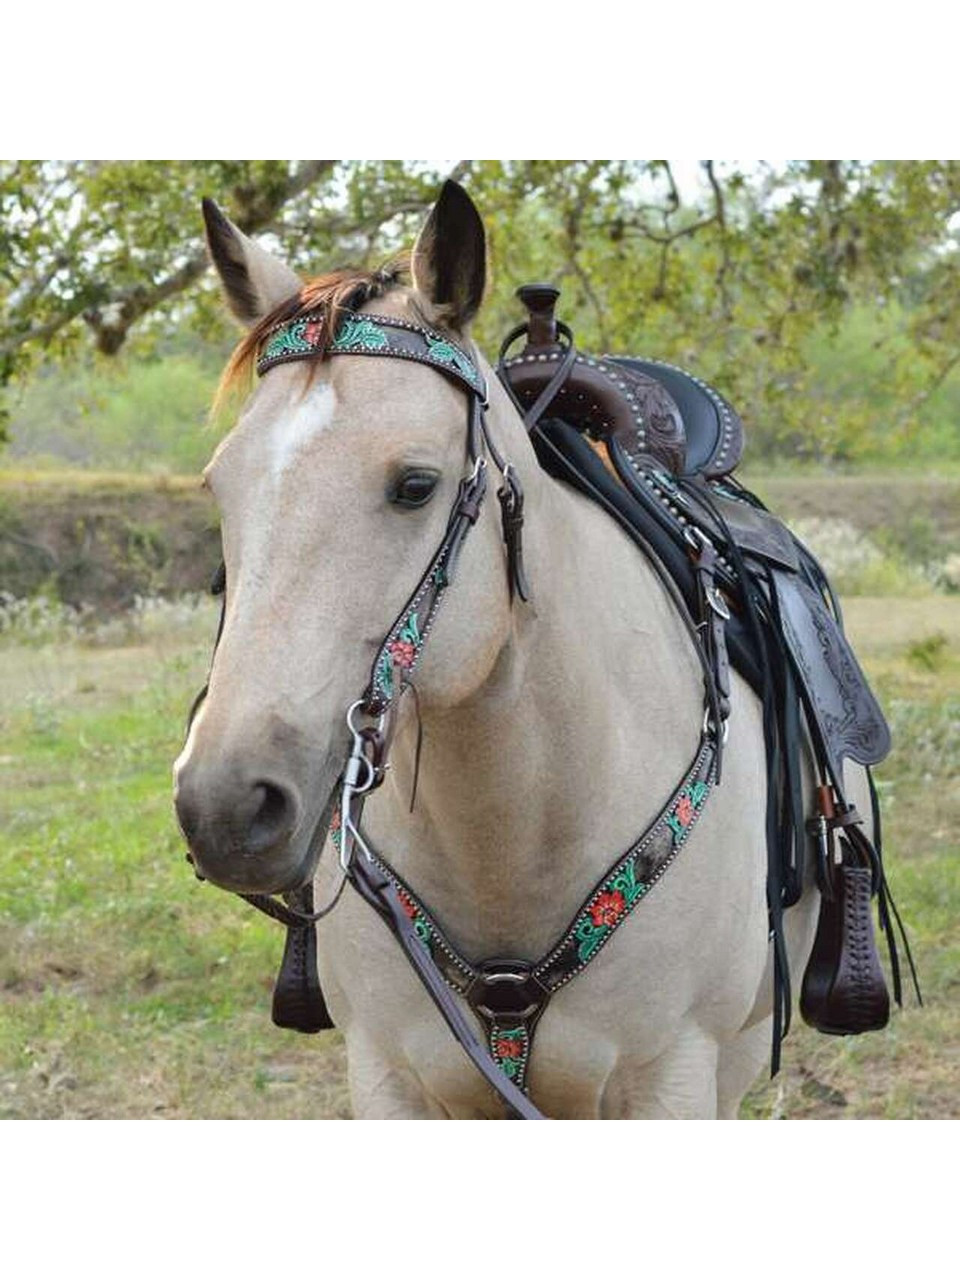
[{"x": 414, "y": 488}]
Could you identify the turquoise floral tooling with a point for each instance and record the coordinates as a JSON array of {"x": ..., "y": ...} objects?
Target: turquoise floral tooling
[
  {"x": 606, "y": 908},
  {"x": 689, "y": 803},
  {"x": 405, "y": 642},
  {"x": 336, "y": 829},
  {"x": 367, "y": 335},
  {"x": 510, "y": 1050},
  {"x": 360, "y": 332},
  {"x": 449, "y": 354},
  {"x": 304, "y": 337},
  {"x": 402, "y": 650},
  {"x": 618, "y": 896},
  {"x": 421, "y": 925},
  {"x": 626, "y": 884},
  {"x": 292, "y": 340}
]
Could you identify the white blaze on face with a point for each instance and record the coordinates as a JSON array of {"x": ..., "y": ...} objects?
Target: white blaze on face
[{"x": 293, "y": 431}]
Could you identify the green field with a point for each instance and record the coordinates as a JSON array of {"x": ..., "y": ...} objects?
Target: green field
[{"x": 129, "y": 989}]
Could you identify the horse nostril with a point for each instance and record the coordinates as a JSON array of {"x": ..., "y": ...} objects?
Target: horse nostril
[{"x": 275, "y": 817}]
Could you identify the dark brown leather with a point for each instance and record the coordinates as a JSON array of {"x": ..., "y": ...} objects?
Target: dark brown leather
[
  {"x": 375, "y": 887},
  {"x": 652, "y": 409},
  {"x": 298, "y": 1003},
  {"x": 604, "y": 400},
  {"x": 596, "y": 395},
  {"x": 713, "y": 430},
  {"x": 540, "y": 301},
  {"x": 844, "y": 991}
]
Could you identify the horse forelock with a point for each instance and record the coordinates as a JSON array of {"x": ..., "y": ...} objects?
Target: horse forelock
[{"x": 325, "y": 297}]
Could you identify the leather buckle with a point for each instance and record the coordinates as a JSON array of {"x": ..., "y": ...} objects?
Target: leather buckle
[{"x": 506, "y": 989}]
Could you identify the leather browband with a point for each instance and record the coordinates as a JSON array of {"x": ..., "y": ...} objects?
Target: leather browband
[{"x": 361, "y": 334}]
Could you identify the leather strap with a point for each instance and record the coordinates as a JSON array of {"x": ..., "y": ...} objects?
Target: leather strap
[
  {"x": 509, "y": 996},
  {"x": 298, "y": 1002},
  {"x": 375, "y": 887},
  {"x": 365, "y": 334}
]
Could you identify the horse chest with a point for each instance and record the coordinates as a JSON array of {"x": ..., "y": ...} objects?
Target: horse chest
[{"x": 681, "y": 964}]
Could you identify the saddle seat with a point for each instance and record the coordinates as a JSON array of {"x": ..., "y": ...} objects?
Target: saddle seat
[{"x": 648, "y": 407}]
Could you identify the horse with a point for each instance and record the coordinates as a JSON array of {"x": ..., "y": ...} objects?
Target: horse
[{"x": 554, "y": 727}]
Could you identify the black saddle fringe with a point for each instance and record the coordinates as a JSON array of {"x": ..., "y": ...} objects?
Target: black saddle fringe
[{"x": 783, "y": 735}]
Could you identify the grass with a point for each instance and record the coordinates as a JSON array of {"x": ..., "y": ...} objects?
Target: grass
[
  {"x": 75, "y": 480},
  {"x": 128, "y": 989}
]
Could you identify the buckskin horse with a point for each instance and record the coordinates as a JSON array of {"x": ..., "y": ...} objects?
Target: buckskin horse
[{"x": 584, "y": 735}]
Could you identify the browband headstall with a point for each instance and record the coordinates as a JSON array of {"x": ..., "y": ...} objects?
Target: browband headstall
[{"x": 369, "y": 335}]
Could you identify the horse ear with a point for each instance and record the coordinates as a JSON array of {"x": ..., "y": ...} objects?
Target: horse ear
[
  {"x": 450, "y": 257},
  {"x": 253, "y": 280}
]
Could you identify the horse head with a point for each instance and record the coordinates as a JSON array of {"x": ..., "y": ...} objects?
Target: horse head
[{"x": 335, "y": 487}]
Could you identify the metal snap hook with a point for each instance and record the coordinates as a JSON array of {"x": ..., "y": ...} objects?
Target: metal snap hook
[{"x": 710, "y": 729}]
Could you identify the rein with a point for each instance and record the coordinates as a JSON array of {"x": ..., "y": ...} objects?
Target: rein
[{"x": 508, "y": 996}]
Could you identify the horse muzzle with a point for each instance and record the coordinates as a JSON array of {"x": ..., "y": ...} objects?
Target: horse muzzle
[{"x": 243, "y": 834}]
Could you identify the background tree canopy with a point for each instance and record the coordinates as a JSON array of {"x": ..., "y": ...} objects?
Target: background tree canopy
[{"x": 823, "y": 297}]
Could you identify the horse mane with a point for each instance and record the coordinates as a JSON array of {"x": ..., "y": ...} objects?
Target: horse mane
[{"x": 326, "y": 297}]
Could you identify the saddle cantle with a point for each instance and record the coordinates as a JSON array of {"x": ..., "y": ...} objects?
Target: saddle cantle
[{"x": 668, "y": 444}]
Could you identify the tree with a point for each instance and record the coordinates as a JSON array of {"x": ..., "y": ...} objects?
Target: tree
[{"x": 728, "y": 269}]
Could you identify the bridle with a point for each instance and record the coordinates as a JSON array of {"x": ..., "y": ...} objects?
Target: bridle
[{"x": 509, "y": 996}]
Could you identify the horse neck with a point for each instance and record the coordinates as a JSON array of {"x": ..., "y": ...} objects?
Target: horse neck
[{"x": 588, "y": 719}]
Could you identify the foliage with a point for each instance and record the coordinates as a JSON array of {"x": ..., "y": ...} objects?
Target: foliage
[
  {"x": 754, "y": 275},
  {"x": 145, "y": 415},
  {"x": 929, "y": 652}
]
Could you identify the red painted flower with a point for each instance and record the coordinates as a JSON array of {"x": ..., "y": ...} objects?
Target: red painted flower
[
  {"x": 509, "y": 1049},
  {"x": 311, "y": 333},
  {"x": 403, "y": 651},
  {"x": 608, "y": 909},
  {"x": 684, "y": 811},
  {"x": 408, "y": 904}
]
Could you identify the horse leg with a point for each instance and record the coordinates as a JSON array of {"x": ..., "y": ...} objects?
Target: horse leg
[
  {"x": 740, "y": 1063},
  {"x": 384, "y": 1089},
  {"x": 681, "y": 1084}
]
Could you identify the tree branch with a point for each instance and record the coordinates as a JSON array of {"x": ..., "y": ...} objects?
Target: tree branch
[
  {"x": 720, "y": 214},
  {"x": 112, "y": 320},
  {"x": 916, "y": 402}
]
